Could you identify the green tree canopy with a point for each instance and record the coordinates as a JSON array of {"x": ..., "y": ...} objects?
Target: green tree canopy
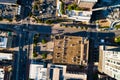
[
  {"x": 117, "y": 40},
  {"x": 44, "y": 55}
]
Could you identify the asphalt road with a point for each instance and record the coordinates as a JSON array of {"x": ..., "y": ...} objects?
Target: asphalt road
[{"x": 20, "y": 61}]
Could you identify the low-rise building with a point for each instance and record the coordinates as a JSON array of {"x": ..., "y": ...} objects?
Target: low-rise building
[
  {"x": 71, "y": 50},
  {"x": 59, "y": 72},
  {"x": 2, "y": 73},
  {"x": 86, "y": 1},
  {"x": 84, "y": 16},
  {"x": 85, "y": 13},
  {"x": 5, "y": 42},
  {"x": 109, "y": 61},
  {"x": 6, "y": 56},
  {"x": 10, "y": 2},
  {"x": 38, "y": 72}
]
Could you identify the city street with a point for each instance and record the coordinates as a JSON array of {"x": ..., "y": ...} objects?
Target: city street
[{"x": 20, "y": 62}]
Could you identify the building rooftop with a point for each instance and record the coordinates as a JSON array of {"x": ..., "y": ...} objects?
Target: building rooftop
[
  {"x": 86, "y": 5},
  {"x": 38, "y": 72},
  {"x": 109, "y": 50},
  {"x": 88, "y": 0},
  {"x": 109, "y": 61},
  {"x": 59, "y": 72},
  {"x": 3, "y": 42},
  {"x": 2, "y": 74},
  {"x": 8, "y": 1},
  {"x": 71, "y": 50},
  {"x": 80, "y": 15},
  {"x": 6, "y": 56}
]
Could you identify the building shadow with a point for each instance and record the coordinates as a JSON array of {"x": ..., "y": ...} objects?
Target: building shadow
[{"x": 103, "y": 14}]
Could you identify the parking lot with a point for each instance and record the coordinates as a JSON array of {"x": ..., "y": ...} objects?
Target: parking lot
[
  {"x": 44, "y": 8},
  {"x": 7, "y": 11}
]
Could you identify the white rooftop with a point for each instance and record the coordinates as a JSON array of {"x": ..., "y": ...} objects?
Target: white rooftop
[
  {"x": 2, "y": 74},
  {"x": 8, "y": 1},
  {"x": 56, "y": 72},
  {"x": 3, "y": 42},
  {"x": 89, "y": 0},
  {"x": 80, "y": 15},
  {"x": 38, "y": 72},
  {"x": 6, "y": 56}
]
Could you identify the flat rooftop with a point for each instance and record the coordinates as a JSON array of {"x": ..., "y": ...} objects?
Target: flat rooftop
[
  {"x": 2, "y": 74},
  {"x": 3, "y": 42},
  {"x": 70, "y": 50},
  {"x": 38, "y": 71},
  {"x": 59, "y": 72},
  {"x": 89, "y": 0},
  {"x": 6, "y": 56},
  {"x": 86, "y": 5},
  {"x": 8, "y": 1}
]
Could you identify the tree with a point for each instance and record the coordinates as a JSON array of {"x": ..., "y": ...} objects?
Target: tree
[
  {"x": 49, "y": 21},
  {"x": 73, "y": 7},
  {"x": 35, "y": 54},
  {"x": 62, "y": 10},
  {"x": 86, "y": 28},
  {"x": 17, "y": 17},
  {"x": 43, "y": 41},
  {"x": 30, "y": 14},
  {"x": 9, "y": 19},
  {"x": 35, "y": 7},
  {"x": 117, "y": 26},
  {"x": 44, "y": 55},
  {"x": 1, "y": 18},
  {"x": 117, "y": 40}
]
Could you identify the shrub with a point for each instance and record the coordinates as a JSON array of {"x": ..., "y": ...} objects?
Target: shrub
[
  {"x": 35, "y": 39},
  {"x": 35, "y": 54}
]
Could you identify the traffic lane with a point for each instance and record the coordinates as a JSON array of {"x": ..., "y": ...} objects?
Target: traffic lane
[
  {"x": 22, "y": 68},
  {"x": 14, "y": 65},
  {"x": 30, "y": 41},
  {"x": 19, "y": 56},
  {"x": 41, "y": 28},
  {"x": 24, "y": 60},
  {"x": 15, "y": 41},
  {"x": 20, "y": 53},
  {"x": 90, "y": 59},
  {"x": 11, "y": 27}
]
